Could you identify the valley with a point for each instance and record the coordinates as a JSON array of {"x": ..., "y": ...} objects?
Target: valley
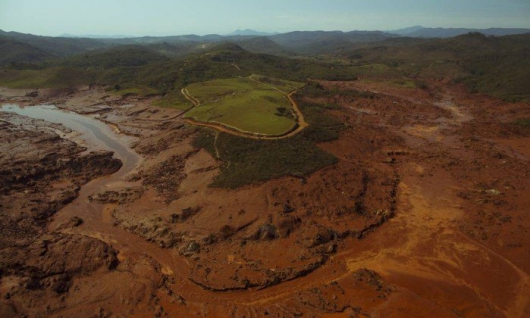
[{"x": 372, "y": 181}]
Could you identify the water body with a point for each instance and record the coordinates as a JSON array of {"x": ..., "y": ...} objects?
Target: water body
[{"x": 93, "y": 132}]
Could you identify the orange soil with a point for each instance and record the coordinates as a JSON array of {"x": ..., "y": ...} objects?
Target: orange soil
[{"x": 448, "y": 164}]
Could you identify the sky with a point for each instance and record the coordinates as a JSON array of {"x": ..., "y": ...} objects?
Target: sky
[{"x": 177, "y": 17}]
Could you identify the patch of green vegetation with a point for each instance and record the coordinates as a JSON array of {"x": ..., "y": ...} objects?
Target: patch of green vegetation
[
  {"x": 375, "y": 69},
  {"x": 279, "y": 84},
  {"x": 245, "y": 104},
  {"x": 322, "y": 127},
  {"x": 19, "y": 55},
  {"x": 314, "y": 90},
  {"x": 205, "y": 139},
  {"x": 404, "y": 83},
  {"x": 522, "y": 122},
  {"x": 47, "y": 78},
  {"x": 133, "y": 66},
  {"x": 248, "y": 161},
  {"x": 121, "y": 56},
  {"x": 505, "y": 75},
  {"x": 497, "y": 66},
  {"x": 142, "y": 91},
  {"x": 173, "y": 99}
]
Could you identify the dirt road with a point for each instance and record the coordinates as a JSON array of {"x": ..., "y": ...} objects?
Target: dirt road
[
  {"x": 301, "y": 124},
  {"x": 455, "y": 176}
]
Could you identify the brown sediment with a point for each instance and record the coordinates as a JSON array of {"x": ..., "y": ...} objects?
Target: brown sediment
[{"x": 425, "y": 214}]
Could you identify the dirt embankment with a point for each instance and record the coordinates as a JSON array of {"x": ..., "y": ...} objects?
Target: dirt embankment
[{"x": 424, "y": 215}]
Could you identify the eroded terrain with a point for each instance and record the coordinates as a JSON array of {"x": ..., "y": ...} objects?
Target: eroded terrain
[{"x": 425, "y": 214}]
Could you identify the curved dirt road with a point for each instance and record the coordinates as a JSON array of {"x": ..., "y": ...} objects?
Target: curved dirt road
[
  {"x": 434, "y": 259},
  {"x": 300, "y": 125}
]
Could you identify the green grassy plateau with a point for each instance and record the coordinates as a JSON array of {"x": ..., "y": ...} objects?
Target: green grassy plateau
[
  {"x": 248, "y": 161},
  {"x": 254, "y": 104}
]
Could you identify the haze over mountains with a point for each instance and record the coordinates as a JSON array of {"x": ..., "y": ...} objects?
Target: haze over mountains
[
  {"x": 28, "y": 48},
  {"x": 250, "y": 32},
  {"x": 421, "y": 32}
]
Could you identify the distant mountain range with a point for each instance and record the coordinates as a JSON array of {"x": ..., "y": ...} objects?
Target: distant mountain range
[
  {"x": 28, "y": 48},
  {"x": 94, "y": 36},
  {"x": 421, "y": 32},
  {"x": 250, "y": 32}
]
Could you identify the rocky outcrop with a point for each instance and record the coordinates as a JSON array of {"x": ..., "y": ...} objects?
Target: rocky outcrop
[
  {"x": 53, "y": 260},
  {"x": 121, "y": 196},
  {"x": 39, "y": 174},
  {"x": 265, "y": 232}
]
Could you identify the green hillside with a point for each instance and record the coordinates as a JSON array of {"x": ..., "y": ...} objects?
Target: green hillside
[
  {"x": 498, "y": 66},
  {"x": 122, "y": 56},
  {"x": 16, "y": 53},
  {"x": 133, "y": 66},
  {"x": 250, "y": 104}
]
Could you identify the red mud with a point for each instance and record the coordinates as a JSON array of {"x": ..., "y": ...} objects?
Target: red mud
[{"x": 425, "y": 215}]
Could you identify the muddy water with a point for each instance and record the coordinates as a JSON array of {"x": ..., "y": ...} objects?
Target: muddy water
[
  {"x": 93, "y": 133},
  {"x": 96, "y": 221}
]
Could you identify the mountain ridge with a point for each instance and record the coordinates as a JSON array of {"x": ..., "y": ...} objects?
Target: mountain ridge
[{"x": 423, "y": 32}]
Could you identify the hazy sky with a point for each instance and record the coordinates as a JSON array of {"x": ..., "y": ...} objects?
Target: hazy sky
[{"x": 175, "y": 17}]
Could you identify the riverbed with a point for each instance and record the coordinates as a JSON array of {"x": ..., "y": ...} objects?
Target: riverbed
[{"x": 88, "y": 132}]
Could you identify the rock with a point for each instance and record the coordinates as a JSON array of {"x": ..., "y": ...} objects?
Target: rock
[
  {"x": 369, "y": 277},
  {"x": 121, "y": 196},
  {"x": 323, "y": 236},
  {"x": 33, "y": 284},
  {"x": 493, "y": 192},
  {"x": 192, "y": 248},
  {"x": 210, "y": 239},
  {"x": 188, "y": 212},
  {"x": 227, "y": 231},
  {"x": 174, "y": 218},
  {"x": 184, "y": 215},
  {"x": 32, "y": 94},
  {"x": 61, "y": 285},
  {"x": 73, "y": 222},
  {"x": 331, "y": 249},
  {"x": 287, "y": 224},
  {"x": 265, "y": 232},
  {"x": 287, "y": 208}
]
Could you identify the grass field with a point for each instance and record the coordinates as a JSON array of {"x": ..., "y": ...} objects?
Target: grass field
[
  {"x": 255, "y": 104},
  {"x": 142, "y": 91},
  {"x": 173, "y": 99},
  {"x": 247, "y": 161}
]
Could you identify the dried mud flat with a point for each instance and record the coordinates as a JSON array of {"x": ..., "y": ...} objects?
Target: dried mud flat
[{"x": 425, "y": 214}]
